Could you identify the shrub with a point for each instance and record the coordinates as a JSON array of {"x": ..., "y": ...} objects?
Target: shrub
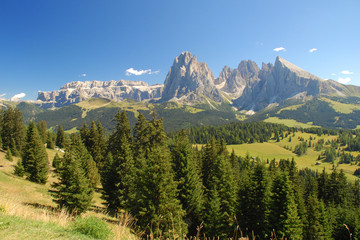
[{"x": 91, "y": 226}]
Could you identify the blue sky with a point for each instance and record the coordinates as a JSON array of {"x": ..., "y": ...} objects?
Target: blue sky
[{"x": 47, "y": 43}]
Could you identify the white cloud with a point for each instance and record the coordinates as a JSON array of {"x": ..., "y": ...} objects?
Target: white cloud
[
  {"x": 313, "y": 50},
  {"x": 279, "y": 49},
  {"x": 346, "y": 72},
  {"x": 2, "y": 95},
  {"x": 83, "y": 75},
  {"x": 16, "y": 97},
  {"x": 132, "y": 71},
  {"x": 344, "y": 80},
  {"x": 333, "y": 74}
]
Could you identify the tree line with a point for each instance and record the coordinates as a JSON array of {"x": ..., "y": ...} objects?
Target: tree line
[{"x": 172, "y": 188}]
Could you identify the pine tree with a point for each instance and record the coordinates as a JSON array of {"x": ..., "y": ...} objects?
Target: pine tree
[
  {"x": 8, "y": 155},
  {"x": 85, "y": 135},
  {"x": 60, "y": 137},
  {"x": 13, "y": 131},
  {"x": 157, "y": 208},
  {"x": 19, "y": 169},
  {"x": 213, "y": 215},
  {"x": 87, "y": 162},
  {"x": 97, "y": 144},
  {"x": 109, "y": 181},
  {"x": 73, "y": 191},
  {"x": 34, "y": 158},
  {"x": 314, "y": 228},
  {"x": 99, "y": 157},
  {"x": 141, "y": 141},
  {"x": 218, "y": 174},
  {"x": 42, "y": 127},
  {"x": 293, "y": 228},
  {"x": 283, "y": 216},
  {"x": 121, "y": 177},
  {"x": 57, "y": 162},
  {"x": 209, "y": 161},
  {"x": 254, "y": 198},
  {"x": 191, "y": 190},
  {"x": 49, "y": 141}
]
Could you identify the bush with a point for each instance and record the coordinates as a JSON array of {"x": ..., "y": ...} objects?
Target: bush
[{"x": 92, "y": 226}]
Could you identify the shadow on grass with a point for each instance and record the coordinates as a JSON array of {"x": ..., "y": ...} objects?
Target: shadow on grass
[{"x": 42, "y": 206}]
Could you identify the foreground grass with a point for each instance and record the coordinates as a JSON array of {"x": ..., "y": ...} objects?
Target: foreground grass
[
  {"x": 13, "y": 227},
  {"x": 28, "y": 212}
]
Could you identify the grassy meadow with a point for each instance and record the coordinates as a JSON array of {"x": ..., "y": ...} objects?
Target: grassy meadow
[
  {"x": 28, "y": 212},
  {"x": 272, "y": 149}
]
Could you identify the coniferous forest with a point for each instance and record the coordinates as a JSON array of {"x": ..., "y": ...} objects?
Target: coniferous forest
[{"x": 175, "y": 190}]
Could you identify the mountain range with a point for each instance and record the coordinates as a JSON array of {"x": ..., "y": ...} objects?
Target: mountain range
[
  {"x": 189, "y": 82},
  {"x": 191, "y": 95}
]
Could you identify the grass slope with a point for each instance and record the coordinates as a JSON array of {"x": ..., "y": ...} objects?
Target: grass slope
[
  {"x": 326, "y": 112},
  {"x": 28, "y": 212},
  {"x": 273, "y": 149}
]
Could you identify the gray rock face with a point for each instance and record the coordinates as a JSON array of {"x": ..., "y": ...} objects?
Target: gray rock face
[
  {"x": 189, "y": 80},
  {"x": 74, "y": 92},
  {"x": 282, "y": 81},
  {"x": 234, "y": 81}
]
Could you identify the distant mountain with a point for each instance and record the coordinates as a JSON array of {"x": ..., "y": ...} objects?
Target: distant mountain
[
  {"x": 191, "y": 95},
  {"x": 75, "y": 92},
  {"x": 191, "y": 82}
]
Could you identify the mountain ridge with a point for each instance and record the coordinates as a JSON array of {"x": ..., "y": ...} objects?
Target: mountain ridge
[{"x": 189, "y": 82}]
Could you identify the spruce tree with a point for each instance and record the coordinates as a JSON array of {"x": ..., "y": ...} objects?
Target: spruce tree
[
  {"x": 87, "y": 162},
  {"x": 73, "y": 190},
  {"x": 97, "y": 144},
  {"x": 213, "y": 215},
  {"x": 13, "y": 131},
  {"x": 34, "y": 157},
  {"x": 56, "y": 162},
  {"x": 219, "y": 175},
  {"x": 50, "y": 141},
  {"x": 187, "y": 174},
  {"x": 19, "y": 169},
  {"x": 99, "y": 157},
  {"x": 283, "y": 217},
  {"x": 314, "y": 228},
  {"x": 254, "y": 198},
  {"x": 60, "y": 137},
  {"x": 141, "y": 141},
  {"x": 8, "y": 155},
  {"x": 121, "y": 176},
  {"x": 157, "y": 209},
  {"x": 109, "y": 181},
  {"x": 85, "y": 135},
  {"x": 42, "y": 127}
]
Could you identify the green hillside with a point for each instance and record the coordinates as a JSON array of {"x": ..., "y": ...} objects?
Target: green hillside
[
  {"x": 326, "y": 112},
  {"x": 176, "y": 116},
  {"x": 283, "y": 150}
]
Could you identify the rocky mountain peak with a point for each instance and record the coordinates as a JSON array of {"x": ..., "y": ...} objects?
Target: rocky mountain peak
[
  {"x": 281, "y": 64},
  {"x": 189, "y": 80},
  {"x": 184, "y": 58},
  {"x": 248, "y": 69}
]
